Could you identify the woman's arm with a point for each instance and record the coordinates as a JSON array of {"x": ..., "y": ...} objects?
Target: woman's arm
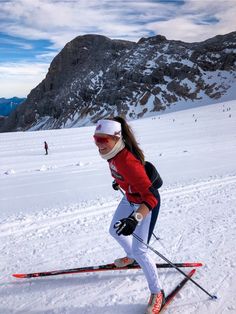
[{"x": 143, "y": 210}]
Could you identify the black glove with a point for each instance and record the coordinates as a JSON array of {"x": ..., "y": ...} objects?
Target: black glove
[
  {"x": 126, "y": 226},
  {"x": 115, "y": 185}
]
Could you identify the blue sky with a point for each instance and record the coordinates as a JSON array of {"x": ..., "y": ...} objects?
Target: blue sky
[{"x": 32, "y": 32}]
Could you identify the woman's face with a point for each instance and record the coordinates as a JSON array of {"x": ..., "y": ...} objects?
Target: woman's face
[{"x": 104, "y": 142}]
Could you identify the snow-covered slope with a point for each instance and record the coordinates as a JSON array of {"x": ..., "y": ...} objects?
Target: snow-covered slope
[{"x": 55, "y": 212}]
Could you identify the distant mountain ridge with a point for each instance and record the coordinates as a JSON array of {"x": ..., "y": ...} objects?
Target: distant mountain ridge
[
  {"x": 9, "y": 104},
  {"x": 95, "y": 77}
]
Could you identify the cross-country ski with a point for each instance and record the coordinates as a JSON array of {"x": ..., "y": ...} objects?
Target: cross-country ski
[
  {"x": 170, "y": 297},
  {"x": 99, "y": 268}
]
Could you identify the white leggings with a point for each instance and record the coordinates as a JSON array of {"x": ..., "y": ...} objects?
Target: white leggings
[{"x": 134, "y": 248}]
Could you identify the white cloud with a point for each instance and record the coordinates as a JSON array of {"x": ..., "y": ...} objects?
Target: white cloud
[
  {"x": 13, "y": 42},
  {"x": 60, "y": 21},
  {"x": 45, "y": 57},
  {"x": 17, "y": 79},
  {"x": 181, "y": 28}
]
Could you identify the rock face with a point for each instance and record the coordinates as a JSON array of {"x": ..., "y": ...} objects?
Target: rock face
[{"x": 95, "y": 77}]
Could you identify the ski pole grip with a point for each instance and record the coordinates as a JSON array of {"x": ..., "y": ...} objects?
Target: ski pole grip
[{"x": 117, "y": 224}]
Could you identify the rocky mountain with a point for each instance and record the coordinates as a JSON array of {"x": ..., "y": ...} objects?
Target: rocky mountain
[{"x": 95, "y": 77}]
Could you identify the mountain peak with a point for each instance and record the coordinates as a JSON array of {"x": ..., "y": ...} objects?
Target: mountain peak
[{"x": 94, "y": 77}]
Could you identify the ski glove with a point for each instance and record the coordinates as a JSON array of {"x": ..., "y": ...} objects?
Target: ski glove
[
  {"x": 126, "y": 226},
  {"x": 115, "y": 185}
]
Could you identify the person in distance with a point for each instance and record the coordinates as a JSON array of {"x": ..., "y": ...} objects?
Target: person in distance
[{"x": 46, "y": 147}]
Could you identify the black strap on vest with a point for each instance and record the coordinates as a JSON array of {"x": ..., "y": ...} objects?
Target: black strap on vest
[{"x": 153, "y": 175}]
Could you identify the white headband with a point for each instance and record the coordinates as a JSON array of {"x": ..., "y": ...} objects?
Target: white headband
[{"x": 109, "y": 127}]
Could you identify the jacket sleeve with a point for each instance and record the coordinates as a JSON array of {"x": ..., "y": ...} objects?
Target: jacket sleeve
[{"x": 135, "y": 175}]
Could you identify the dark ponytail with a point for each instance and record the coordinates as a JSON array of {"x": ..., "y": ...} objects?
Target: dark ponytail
[{"x": 129, "y": 139}]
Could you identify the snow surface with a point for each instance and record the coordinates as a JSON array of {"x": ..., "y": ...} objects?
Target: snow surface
[{"x": 55, "y": 212}]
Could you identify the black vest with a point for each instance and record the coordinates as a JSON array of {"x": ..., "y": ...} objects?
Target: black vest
[{"x": 153, "y": 175}]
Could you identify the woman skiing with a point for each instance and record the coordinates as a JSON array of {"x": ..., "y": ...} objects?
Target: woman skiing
[{"x": 139, "y": 207}]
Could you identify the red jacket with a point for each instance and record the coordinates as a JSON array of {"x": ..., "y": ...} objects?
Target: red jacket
[{"x": 130, "y": 174}]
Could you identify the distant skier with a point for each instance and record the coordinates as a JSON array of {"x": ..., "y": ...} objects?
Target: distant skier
[
  {"x": 46, "y": 148},
  {"x": 138, "y": 210}
]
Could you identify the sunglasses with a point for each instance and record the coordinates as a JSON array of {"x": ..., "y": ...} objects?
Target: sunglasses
[{"x": 101, "y": 139}]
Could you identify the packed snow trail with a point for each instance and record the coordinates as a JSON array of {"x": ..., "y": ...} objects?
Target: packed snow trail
[
  {"x": 55, "y": 213},
  {"x": 192, "y": 226}
]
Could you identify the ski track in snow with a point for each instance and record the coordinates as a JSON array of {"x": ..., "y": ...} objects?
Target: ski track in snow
[
  {"x": 77, "y": 229},
  {"x": 56, "y": 212}
]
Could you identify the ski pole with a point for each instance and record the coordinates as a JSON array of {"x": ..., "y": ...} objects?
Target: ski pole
[
  {"x": 156, "y": 237},
  {"x": 120, "y": 189},
  {"x": 173, "y": 265}
]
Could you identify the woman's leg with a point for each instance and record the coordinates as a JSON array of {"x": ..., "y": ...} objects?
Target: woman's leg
[
  {"x": 123, "y": 210},
  {"x": 140, "y": 254},
  {"x": 134, "y": 248}
]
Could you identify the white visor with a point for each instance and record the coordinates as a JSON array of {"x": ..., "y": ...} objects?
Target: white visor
[{"x": 109, "y": 127}]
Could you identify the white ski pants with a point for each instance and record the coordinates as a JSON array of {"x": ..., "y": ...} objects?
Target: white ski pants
[{"x": 134, "y": 248}]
